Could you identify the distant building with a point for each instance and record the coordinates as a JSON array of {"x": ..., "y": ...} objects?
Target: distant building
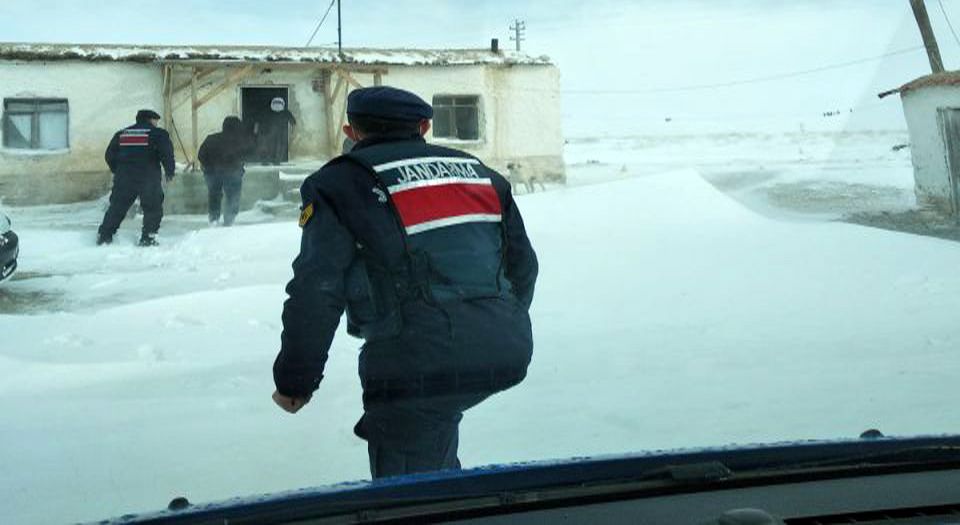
[
  {"x": 931, "y": 105},
  {"x": 62, "y": 103}
]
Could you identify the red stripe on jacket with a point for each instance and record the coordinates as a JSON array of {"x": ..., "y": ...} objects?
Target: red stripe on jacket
[
  {"x": 127, "y": 140},
  {"x": 431, "y": 203}
]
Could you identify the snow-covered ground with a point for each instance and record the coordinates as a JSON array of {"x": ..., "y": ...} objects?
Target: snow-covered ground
[
  {"x": 800, "y": 175},
  {"x": 668, "y": 314}
]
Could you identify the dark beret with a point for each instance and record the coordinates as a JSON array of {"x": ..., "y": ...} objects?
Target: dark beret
[
  {"x": 147, "y": 114},
  {"x": 388, "y": 103}
]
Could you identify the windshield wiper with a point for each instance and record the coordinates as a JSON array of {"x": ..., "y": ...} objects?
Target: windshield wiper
[{"x": 926, "y": 456}]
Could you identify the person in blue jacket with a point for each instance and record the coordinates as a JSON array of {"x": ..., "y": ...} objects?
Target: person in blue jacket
[
  {"x": 425, "y": 249},
  {"x": 135, "y": 156}
]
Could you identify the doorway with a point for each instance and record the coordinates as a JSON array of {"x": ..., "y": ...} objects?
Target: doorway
[{"x": 272, "y": 138}]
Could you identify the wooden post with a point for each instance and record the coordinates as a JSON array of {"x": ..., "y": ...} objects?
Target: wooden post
[
  {"x": 193, "y": 114},
  {"x": 343, "y": 116},
  {"x": 336, "y": 90},
  {"x": 167, "y": 85},
  {"x": 377, "y": 79},
  {"x": 168, "y": 101},
  {"x": 332, "y": 95},
  {"x": 929, "y": 39},
  {"x": 328, "y": 109}
]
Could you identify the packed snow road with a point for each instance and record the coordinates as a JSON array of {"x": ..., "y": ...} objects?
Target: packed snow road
[{"x": 667, "y": 315}]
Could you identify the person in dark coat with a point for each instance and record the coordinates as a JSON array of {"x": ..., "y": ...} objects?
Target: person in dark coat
[
  {"x": 425, "y": 249},
  {"x": 221, "y": 157},
  {"x": 135, "y": 157},
  {"x": 272, "y": 128}
]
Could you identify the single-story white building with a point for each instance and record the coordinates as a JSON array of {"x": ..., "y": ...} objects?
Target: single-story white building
[
  {"x": 62, "y": 103},
  {"x": 931, "y": 105}
]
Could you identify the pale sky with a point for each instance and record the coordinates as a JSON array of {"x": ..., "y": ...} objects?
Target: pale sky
[{"x": 647, "y": 48}]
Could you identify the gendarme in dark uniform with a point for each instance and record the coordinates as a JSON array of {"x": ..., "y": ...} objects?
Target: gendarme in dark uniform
[
  {"x": 135, "y": 156},
  {"x": 426, "y": 250}
]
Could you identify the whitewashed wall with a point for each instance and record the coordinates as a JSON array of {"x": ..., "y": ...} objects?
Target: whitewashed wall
[
  {"x": 102, "y": 98},
  {"x": 529, "y": 128},
  {"x": 519, "y": 106},
  {"x": 927, "y": 147},
  {"x": 519, "y": 112}
]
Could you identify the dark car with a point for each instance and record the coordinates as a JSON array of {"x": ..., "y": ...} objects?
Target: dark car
[
  {"x": 869, "y": 480},
  {"x": 9, "y": 248}
]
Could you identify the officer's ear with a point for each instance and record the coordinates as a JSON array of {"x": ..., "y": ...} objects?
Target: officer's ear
[
  {"x": 424, "y": 127},
  {"x": 350, "y": 132}
]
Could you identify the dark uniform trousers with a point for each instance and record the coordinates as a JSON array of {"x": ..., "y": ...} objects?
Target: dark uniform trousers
[
  {"x": 412, "y": 435},
  {"x": 411, "y": 424},
  {"x": 126, "y": 190}
]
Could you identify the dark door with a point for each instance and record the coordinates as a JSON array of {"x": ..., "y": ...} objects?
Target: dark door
[
  {"x": 949, "y": 119},
  {"x": 270, "y": 128}
]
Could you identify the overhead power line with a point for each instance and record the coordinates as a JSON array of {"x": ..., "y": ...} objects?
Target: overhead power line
[
  {"x": 755, "y": 80},
  {"x": 696, "y": 87},
  {"x": 322, "y": 20},
  {"x": 947, "y": 18}
]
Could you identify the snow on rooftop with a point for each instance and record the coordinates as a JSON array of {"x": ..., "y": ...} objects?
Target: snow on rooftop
[
  {"x": 946, "y": 78},
  {"x": 367, "y": 56}
]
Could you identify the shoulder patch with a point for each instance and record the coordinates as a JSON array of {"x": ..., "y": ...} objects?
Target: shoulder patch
[{"x": 306, "y": 214}]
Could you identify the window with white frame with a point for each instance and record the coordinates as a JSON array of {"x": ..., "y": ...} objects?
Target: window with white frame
[
  {"x": 35, "y": 123},
  {"x": 456, "y": 117}
]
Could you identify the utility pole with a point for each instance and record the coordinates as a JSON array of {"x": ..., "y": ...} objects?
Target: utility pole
[
  {"x": 929, "y": 39},
  {"x": 518, "y": 27},
  {"x": 339, "y": 32}
]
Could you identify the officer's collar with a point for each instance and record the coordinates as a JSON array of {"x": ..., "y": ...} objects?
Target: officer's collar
[{"x": 390, "y": 137}]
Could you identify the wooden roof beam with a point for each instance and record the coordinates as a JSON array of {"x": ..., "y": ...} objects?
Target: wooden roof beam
[
  {"x": 234, "y": 77},
  {"x": 200, "y": 75}
]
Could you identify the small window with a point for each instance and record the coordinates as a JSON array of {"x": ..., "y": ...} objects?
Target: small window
[
  {"x": 456, "y": 117},
  {"x": 35, "y": 123}
]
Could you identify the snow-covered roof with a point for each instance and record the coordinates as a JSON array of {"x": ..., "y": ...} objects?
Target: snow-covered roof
[
  {"x": 272, "y": 54},
  {"x": 946, "y": 78}
]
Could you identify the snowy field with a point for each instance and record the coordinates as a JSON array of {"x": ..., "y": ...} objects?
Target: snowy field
[
  {"x": 798, "y": 175},
  {"x": 676, "y": 308}
]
